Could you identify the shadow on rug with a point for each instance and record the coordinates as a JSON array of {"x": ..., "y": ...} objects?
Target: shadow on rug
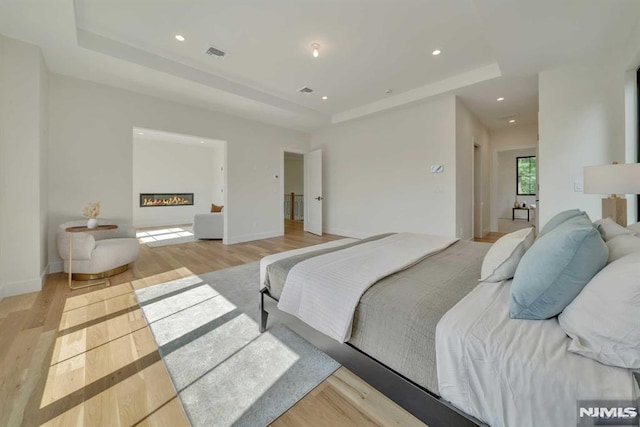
[{"x": 225, "y": 372}]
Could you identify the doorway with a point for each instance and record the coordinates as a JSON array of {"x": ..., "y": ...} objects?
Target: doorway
[
  {"x": 175, "y": 177},
  {"x": 516, "y": 189},
  {"x": 293, "y": 203}
]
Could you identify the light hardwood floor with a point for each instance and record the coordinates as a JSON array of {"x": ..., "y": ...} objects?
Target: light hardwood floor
[
  {"x": 87, "y": 357},
  {"x": 490, "y": 237}
]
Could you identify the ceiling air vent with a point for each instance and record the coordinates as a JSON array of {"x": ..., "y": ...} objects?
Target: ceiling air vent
[
  {"x": 306, "y": 90},
  {"x": 212, "y": 51}
]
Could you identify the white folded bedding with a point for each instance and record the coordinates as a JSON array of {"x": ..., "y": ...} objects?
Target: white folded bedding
[{"x": 510, "y": 372}]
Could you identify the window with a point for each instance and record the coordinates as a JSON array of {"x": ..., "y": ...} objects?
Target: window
[{"x": 526, "y": 176}]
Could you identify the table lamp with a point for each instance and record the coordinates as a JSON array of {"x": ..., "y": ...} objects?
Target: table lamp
[{"x": 613, "y": 179}]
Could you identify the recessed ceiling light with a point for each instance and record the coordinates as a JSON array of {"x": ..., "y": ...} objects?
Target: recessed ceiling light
[
  {"x": 179, "y": 38},
  {"x": 500, "y": 99},
  {"x": 316, "y": 48},
  {"x": 325, "y": 98},
  {"x": 201, "y": 142},
  {"x": 436, "y": 52},
  {"x": 512, "y": 121},
  {"x": 140, "y": 133}
]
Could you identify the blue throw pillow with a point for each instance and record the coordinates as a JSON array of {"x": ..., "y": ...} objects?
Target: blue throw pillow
[
  {"x": 556, "y": 268},
  {"x": 559, "y": 219}
]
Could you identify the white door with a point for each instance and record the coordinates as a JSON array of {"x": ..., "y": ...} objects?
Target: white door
[
  {"x": 477, "y": 193},
  {"x": 313, "y": 192}
]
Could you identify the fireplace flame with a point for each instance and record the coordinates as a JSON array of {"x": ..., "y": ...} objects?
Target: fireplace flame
[{"x": 168, "y": 201}]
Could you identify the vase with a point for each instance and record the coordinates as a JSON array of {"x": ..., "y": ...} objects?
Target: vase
[{"x": 92, "y": 223}]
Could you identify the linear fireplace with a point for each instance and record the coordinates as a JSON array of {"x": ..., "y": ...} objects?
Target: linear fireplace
[{"x": 148, "y": 200}]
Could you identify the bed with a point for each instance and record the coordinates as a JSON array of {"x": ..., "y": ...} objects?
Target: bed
[
  {"x": 511, "y": 372},
  {"x": 443, "y": 346}
]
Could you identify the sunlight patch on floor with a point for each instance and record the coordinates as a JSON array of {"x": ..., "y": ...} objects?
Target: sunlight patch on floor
[
  {"x": 126, "y": 403},
  {"x": 164, "y": 234},
  {"x": 167, "y": 276},
  {"x": 91, "y": 368}
]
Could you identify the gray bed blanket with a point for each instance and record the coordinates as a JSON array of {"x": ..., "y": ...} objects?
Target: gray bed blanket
[{"x": 395, "y": 321}]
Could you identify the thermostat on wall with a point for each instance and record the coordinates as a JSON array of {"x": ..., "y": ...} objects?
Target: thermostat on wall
[{"x": 437, "y": 168}]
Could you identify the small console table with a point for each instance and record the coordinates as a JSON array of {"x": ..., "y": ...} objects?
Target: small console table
[
  {"x": 85, "y": 229},
  {"x": 513, "y": 213}
]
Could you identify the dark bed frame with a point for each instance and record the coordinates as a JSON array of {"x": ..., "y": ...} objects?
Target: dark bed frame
[{"x": 423, "y": 404}]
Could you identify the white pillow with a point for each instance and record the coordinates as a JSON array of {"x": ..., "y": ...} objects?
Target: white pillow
[
  {"x": 609, "y": 229},
  {"x": 622, "y": 245},
  {"x": 501, "y": 261},
  {"x": 635, "y": 228},
  {"x": 604, "y": 319}
]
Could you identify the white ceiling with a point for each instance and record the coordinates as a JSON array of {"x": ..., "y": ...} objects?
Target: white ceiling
[
  {"x": 490, "y": 48},
  {"x": 367, "y": 47}
]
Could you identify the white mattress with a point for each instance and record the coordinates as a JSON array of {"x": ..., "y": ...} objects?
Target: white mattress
[
  {"x": 509, "y": 372},
  {"x": 264, "y": 262}
]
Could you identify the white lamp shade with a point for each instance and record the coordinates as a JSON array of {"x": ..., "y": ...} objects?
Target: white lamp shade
[{"x": 612, "y": 179}]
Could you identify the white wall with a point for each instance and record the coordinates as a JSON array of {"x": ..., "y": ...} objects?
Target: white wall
[
  {"x": 631, "y": 135},
  {"x": 581, "y": 122},
  {"x": 169, "y": 167},
  {"x": 470, "y": 131},
  {"x": 293, "y": 175},
  {"x": 43, "y": 161},
  {"x": 376, "y": 175},
  {"x": 91, "y": 154},
  {"x": 218, "y": 174},
  {"x": 507, "y": 188},
  {"x": 507, "y": 139},
  {"x": 23, "y": 141}
]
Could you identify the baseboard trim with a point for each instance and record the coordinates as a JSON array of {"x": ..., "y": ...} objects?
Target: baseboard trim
[
  {"x": 22, "y": 287},
  {"x": 346, "y": 233},
  {"x": 251, "y": 237},
  {"x": 43, "y": 275},
  {"x": 55, "y": 267}
]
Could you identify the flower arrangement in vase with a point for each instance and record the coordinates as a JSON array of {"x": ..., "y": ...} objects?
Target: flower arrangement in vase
[{"x": 91, "y": 211}]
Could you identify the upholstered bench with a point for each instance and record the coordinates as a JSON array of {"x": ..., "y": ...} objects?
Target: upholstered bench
[
  {"x": 208, "y": 225},
  {"x": 99, "y": 253}
]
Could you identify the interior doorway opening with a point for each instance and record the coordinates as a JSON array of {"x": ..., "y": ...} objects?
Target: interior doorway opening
[
  {"x": 516, "y": 189},
  {"x": 293, "y": 204},
  {"x": 177, "y": 177}
]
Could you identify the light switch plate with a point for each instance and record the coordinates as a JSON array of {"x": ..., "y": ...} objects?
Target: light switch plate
[
  {"x": 578, "y": 186},
  {"x": 437, "y": 168}
]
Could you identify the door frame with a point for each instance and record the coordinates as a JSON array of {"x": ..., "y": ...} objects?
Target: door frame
[{"x": 283, "y": 151}]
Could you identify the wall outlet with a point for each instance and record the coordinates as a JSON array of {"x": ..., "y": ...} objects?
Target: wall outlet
[
  {"x": 437, "y": 168},
  {"x": 578, "y": 186}
]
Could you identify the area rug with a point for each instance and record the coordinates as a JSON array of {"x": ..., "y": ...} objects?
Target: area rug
[
  {"x": 167, "y": 236},
  {"x": 225, "y": 372}
]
